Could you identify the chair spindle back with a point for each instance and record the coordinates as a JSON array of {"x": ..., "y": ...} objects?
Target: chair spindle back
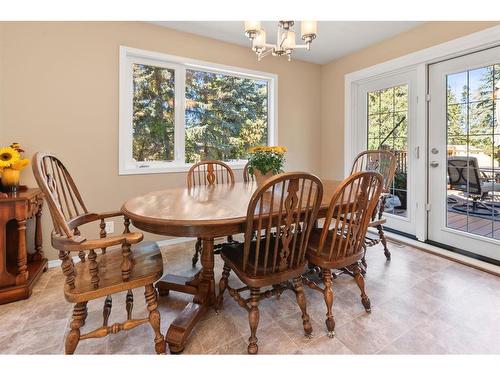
[
  {"x": 381, "y": 161},
  {"x": 285, "y": 208},
  {"x": 210, "y": 172},
  {"x": 63, "y": 198},
  {"x": 247, "y": 177},
  {"x": 349, "y": 213}
]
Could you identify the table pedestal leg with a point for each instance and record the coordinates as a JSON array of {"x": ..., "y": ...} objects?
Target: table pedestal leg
[{"x": 203, "y": 286}]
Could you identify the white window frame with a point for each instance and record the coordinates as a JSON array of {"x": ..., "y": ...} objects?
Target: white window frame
[{"x": 128, "y": 56}]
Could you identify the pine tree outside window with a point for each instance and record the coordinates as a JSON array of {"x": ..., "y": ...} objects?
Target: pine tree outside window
[{"x": 176, "y": 111}]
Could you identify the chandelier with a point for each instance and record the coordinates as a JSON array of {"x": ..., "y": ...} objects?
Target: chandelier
[{"x": 285, "y": 41}]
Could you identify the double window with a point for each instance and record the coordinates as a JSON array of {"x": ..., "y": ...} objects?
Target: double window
[{"x": 176, "y": 111}]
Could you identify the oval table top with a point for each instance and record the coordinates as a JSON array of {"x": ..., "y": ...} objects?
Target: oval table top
[{"x": 214, "y": 210}]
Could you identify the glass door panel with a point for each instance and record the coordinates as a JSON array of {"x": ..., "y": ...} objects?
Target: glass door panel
[
  {"x": 388, "y": 130},
  {"x": 464, "y": 181}
]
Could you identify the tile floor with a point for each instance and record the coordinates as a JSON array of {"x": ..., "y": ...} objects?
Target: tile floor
[{"x": 421, "y": 304}]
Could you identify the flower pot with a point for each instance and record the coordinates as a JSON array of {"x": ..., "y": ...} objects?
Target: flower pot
[
  {"x": 10, "y": 180},
  {"x": 261, "y": 178}
]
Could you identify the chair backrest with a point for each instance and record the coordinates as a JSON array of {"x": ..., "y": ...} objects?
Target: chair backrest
[
  {"x": 381, "y": 161},
  {"x": 283, "y": 210},
  {"x": 61, "y": 194},
  {"x": 463, "y": 174},
  {"x": 210, "y": 172},
  {"x": 247, "y": 177},
  {"x": 349, "y": 213}
]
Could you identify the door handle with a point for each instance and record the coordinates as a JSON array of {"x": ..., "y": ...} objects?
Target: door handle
[{"x": 434, "y": 164}]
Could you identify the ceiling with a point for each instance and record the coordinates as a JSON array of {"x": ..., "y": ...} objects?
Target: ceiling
[{"x": 335, "y": 38}]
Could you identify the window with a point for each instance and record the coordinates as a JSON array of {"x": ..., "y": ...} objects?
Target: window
[
  {"x": 176, "y": 111},
  {"x": 388, "y": 130}
]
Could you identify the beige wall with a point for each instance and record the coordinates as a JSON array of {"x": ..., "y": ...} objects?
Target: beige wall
[
  {"x": 60, "y": 93},
  {"x": 332, "y": 80}
]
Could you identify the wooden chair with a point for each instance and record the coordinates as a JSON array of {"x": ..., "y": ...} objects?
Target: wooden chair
[
  {"x": 247, "y": 177},
  {"x": 208, "y": 172},
  {"x": 339, "y": 244},
  {"x": 384, "y": 162},
  {"x": 95, "y": 276},
  {"x": 284, "y": 211}
]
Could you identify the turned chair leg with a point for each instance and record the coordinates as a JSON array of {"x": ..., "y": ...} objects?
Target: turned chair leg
[
  {"x": 85, "y": 315},
  {"x": 222, "y": 286},
  {"x": 129, "y": 304},
  {"x": 361, "y": 284},
  {"x": 363, "y": 261},
  {"x": 197, "y": 251},
  {"x": 253, "y": 319},
  {"x": 328, "y": 295},
  {"x": 73, "y": 337},
  {"x": 106, "y": 311},
  {"x": 301, "y": 301},
  {"x": 383, "y": 240},
  {"x": 154, "y": 318}
]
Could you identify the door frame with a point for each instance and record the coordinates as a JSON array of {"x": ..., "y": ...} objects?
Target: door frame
[{"x": 419, "y": 61}]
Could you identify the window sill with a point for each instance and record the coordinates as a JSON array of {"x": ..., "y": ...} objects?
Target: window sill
[{"x": 173, "y": 168}]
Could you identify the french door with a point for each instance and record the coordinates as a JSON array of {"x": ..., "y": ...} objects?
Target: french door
[
  {"x": 464, "y": 153},
  {"x": 386, "y": 119}
]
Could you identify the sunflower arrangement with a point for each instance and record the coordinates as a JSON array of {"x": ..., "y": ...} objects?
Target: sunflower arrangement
[
  {"x": 266, "y": 159},
  {"x": 11, "y": 162},
  {"x": 11, "y": 157}
]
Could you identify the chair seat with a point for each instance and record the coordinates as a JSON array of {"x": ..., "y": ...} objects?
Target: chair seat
[
  {"x": 232, "y": 254},
  {"x": 147, "y": 269},
  {"x": 322, "y": 260}
]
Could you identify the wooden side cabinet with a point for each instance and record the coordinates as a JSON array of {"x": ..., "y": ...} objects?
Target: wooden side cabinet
[{"x": 20, "y": 268}]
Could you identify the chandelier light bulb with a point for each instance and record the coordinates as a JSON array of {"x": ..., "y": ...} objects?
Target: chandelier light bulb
[
  {"x": 252, "y": 28},
  {"x": 259, "y": 42},
  {"x": 289, "y": 42},
  {"x": 308, "y": 30}
]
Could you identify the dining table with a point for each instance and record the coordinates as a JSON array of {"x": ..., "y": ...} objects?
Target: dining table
[{"x": 203, "y": 211}]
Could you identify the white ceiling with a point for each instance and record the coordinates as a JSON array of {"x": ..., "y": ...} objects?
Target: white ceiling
[{"x": 335, "y": 38}]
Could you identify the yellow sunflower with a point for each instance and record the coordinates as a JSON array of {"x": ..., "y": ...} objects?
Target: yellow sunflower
[
  {"x": 20, "y": 164},
  {"x": 8, "y": 156}
]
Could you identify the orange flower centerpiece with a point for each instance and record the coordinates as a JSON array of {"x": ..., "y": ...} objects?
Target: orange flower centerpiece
[
  {"x": 11, "y": 163},
  {"x": 266, "y": 161}
]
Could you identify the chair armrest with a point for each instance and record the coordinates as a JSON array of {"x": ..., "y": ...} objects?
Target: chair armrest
[
  {"x": 109, "y": 214},
  {"x": 81, "y": 244}
]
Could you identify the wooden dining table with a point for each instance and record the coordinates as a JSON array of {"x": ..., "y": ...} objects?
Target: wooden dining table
[{"x": 206, "y": 212}]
